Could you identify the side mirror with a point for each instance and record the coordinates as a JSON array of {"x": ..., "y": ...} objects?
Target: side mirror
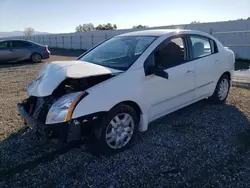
[{"x": 158, "y": 72}]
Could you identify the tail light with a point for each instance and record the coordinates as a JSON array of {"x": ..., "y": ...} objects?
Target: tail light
[{"x": 46, "y": 48}]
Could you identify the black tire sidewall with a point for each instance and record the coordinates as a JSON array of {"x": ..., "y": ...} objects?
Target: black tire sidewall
[
  {"x": 99, "y": 143},
  {"x": 35, "y": 55}
]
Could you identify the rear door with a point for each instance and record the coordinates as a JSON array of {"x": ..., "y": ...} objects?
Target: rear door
[
  {"x": 20, "y": 50},
  {"x": 5, "y": 53},
  {"x": 204, "y": 54}
]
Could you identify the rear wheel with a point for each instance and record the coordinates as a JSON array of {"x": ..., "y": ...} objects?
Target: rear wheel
[
  {"x": 36, "y": 58},
  {"x": 117, "y": 132},
  {"x": 221, "y": 90}
]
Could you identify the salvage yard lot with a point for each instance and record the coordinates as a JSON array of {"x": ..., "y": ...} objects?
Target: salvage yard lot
[{"x": 201, "y": 145}]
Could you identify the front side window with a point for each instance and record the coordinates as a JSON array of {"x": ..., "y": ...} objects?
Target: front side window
[
  {"x": 171, "y": 54},
  {"x": 118, "y": 52},
  {"x": 200, "y": 46},
  {"x": 3, "y": 45}
]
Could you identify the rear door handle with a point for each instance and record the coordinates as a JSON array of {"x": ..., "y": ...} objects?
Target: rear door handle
[
  {"x": 189, "y": 72},
  {"x": 217, "y": 61}
]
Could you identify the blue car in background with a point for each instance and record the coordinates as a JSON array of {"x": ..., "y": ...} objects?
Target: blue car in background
[{"x": 19, "y": 50}]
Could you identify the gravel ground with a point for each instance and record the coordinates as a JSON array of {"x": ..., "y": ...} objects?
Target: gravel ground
[{"x": 202, "y": 145}]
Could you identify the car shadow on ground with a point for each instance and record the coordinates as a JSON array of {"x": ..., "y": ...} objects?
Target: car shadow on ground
[
  {"x": 18, "y": 64},
  {"x": 241, "y": 66},
  {"x": 66, "y": 52},
  {"x": 183, "y": 140}
]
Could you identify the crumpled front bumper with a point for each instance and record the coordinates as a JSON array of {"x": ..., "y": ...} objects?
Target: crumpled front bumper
[
  {"x": 66, "y": 131},
  {"x": 42, "y": 130}
]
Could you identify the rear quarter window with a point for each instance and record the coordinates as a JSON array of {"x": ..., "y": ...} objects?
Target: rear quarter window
[{"x": 214, "y": 47}]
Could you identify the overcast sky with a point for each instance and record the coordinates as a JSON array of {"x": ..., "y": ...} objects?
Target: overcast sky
[{"x": 62, "y": 16}]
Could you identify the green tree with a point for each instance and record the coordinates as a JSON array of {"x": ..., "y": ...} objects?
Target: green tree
[
  {"x": 195, "y": 22},
  {"x": 140, "y": 26},
  {"x": 85, "y": 27},
  {"x": 107, "y": 26},
  {"x": 28, "y": 31}
]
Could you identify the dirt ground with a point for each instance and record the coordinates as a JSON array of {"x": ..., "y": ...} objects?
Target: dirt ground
[{"x": 202, "y": 145}]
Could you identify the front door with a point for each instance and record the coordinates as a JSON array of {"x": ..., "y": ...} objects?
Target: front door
[
  {"x": 166, "y": 95},
  {"x": 5, "y": 53}
]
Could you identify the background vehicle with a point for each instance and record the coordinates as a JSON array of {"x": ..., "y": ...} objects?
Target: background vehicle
[
  {"x": 116, "y": 88},
  {"x": 19, "y": 50}
]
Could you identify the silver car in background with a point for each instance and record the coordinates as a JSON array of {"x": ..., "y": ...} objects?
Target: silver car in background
[{"x": 19, "y": 50}]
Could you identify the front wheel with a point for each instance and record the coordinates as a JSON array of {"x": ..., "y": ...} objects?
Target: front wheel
[
  {"x": 221, "y": 90},
  {"x": 117, "y": 132}
]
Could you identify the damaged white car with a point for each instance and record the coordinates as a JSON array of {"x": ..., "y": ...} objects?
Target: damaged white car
[{"x": 115, "y": 89}]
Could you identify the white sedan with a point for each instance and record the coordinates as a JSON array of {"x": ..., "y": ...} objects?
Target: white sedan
[{"x": 115, "y": 89}]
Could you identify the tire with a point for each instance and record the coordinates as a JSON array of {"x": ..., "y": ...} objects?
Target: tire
[
  {"x": 36, "y": 58},
  {"x": 221, "y": 91},
  {"x": 103, "y": 143}
]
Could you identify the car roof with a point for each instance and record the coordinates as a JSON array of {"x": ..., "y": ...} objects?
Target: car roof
[
  {"x": 17, "y": 40},
  {"x": 160, "y": 32},
  {"x": 6, "y": 39}
]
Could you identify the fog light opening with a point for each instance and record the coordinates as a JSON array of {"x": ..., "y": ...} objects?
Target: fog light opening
[{"x": 76, "y": 122}]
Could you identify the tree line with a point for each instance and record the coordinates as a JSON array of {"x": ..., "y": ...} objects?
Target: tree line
[
  {"x": 197, "y": 22},
  {"x": 90, "y": 27}
]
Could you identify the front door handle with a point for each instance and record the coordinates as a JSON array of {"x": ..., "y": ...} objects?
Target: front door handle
[
  {"x": 217, "y": 61},
  {"x": 189, "y": 72}
]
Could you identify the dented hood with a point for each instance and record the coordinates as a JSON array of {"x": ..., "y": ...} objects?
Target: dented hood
[{"x": 52, "y": 74}]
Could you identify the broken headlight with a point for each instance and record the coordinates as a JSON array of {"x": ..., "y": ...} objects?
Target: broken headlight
[{"x": 62, "y": 109}]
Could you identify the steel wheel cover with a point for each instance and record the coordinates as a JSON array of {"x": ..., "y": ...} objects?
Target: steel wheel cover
[{"x": 119, "y": 131}]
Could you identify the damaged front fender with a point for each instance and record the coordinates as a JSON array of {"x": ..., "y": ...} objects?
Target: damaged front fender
[{"x": 45, "y": 85}]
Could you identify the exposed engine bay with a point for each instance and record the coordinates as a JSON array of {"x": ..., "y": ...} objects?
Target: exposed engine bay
[{"x": 70, "y": 85}]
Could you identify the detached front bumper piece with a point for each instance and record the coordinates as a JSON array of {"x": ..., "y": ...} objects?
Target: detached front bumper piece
[{"x": 42, "y": 130}]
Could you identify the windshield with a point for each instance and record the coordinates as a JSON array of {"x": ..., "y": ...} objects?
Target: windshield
[{"x": 119, "y": 52}]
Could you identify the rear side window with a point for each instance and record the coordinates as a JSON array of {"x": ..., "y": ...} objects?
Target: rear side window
[
  {"x": 20, "y": 44},
  {"x": 200, "y": 46}
]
